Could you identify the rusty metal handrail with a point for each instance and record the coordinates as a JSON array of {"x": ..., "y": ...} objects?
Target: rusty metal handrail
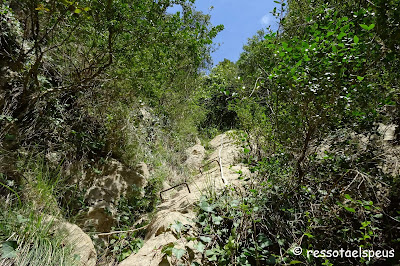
[
  {"x": 165, "y": 190},
  {"x": 202, "y": 166}
]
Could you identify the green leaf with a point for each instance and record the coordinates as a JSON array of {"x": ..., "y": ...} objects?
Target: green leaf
[
  {"x": 295, "y": 262},
  {"x": 347, "y": 196},
  {"x": 341, "y": 35},
  {"x": 329, "y": 33},
  {"x": 125, "y": 254},
  {"x": 365, "y": 27},
  {"x": 217, "y": 219},
  {"x": 200, "y": 247},
  {"x": 350, "y": 209},
  {"x": 21, "y": 219},
  {"x": 370, "y": 27},
  {"x": 205, "y": 206},
  {"x": 211, "y": 254},
  {"x": 78, "y": 10},
  {"x": 360, "y": 78},
  {"x": 205, "y": 239},
  {"x": 9, "y": 249},
  {"x": 356, "y": 39},
  {"x": 167, "y": 249},
  {"x": 365, "y": 224},
  {"x": 177, "y": 226},
  {"x": 178, "y": 253},
  {"x": 309, "y": 235},
  {"x": 264, "y": 241}
]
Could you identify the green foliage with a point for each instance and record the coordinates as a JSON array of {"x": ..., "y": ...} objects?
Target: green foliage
[
  {"x": 138, "y": 202},
  {"x": 81, "y": 65},
  {"x": 170, "y": 251},
  {"x": 122, "y": 79},
  {"x": 124, "y": 245},
  {"x": 219, "y": 88},
  {"x": 26, "y": 238},
  {"x": 9, "y": 249},
  {"x": 326, "y": 75},
  {"x": 262, "y": 222},
  {"x": 75, "y": 79},
  {"x": 314, "y": 76}
]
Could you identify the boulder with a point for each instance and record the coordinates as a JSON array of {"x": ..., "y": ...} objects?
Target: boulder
[
  {"x": 81, "y": 243},
  {"x": 106, "y": 185},
  {"x": 230, "y": 150},
  {"x": 150, "y": 254},
  {"x": 159, "y": 234},
  {"x": 195, "y": 156},
  {"x": 387, "y": 131},
  {"x": 163, "y": 220}
]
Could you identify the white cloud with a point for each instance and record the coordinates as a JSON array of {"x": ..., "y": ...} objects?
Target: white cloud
[{"x": 266, "y": 19}]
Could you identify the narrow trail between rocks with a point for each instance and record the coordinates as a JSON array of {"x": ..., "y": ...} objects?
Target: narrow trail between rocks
[{"x": 178, "y": 203}]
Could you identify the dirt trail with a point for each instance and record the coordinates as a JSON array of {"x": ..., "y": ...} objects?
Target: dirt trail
[{"x": 178, "y": 206}]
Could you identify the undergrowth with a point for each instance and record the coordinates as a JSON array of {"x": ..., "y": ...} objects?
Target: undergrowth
[
  {"x": 345, "y": 202},
  {"x": 27, "y": 234}
]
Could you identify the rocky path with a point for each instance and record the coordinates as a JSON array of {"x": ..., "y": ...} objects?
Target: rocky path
[{"x": 177, "y": 206}]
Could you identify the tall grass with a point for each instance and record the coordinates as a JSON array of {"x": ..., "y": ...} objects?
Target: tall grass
[
  {"x": 27, "y": 233},
  {"x": 36, "y": 242}
]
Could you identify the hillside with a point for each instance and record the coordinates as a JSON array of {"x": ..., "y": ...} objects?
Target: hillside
[{"x": 122, "y": 144}]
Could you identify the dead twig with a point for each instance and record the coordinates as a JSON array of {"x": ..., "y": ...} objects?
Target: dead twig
[{"x": 120, "y": 232}]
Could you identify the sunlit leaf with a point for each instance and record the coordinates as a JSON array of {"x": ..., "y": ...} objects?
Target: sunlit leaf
[
  {"x": 178, "y": 253},
  {"x": 9, "y": 249},
  {"x": 350, "y": 209}
]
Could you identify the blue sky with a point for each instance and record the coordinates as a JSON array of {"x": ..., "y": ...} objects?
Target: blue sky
[{"x": 242, "y": 20}]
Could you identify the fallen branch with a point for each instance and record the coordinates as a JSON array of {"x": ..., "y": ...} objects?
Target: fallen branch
[{"x": 120, "y": 232}]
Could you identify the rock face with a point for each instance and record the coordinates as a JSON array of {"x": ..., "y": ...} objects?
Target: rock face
[
  {"x": 114, "y": 182},
  {"x": 230, "y": 150},
  {"x": 81, "y": 243},
  {"x": 387, "y": 131},
  {"x": 160, "y": 233},
  {"x": 164, "y": 219},
  {"x": 179, "y": 206},
  {"x": 150, "y": 254},
  {"x": 383, "y": 140},
  {"x": 105, "y": 187},
  {"x": 195, "y": 156}
]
